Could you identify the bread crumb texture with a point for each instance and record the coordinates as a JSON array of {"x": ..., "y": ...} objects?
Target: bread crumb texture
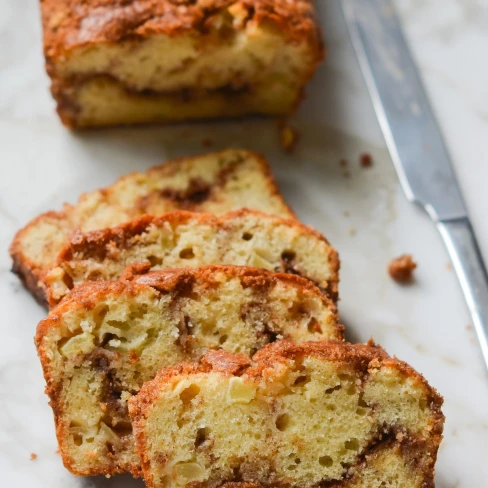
[
  {"x": 106, "y": 339},
  {"x": 313, "y": 414},
  {"x": 289, "y": 136},
  {"x": 184, "y": 239}
]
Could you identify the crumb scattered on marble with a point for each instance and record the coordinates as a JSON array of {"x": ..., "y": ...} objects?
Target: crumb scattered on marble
[
  {"x": 57, "y": 451},
  {"x": 33, "y": 456},
  {"x": 346, "y": 174},
  {"x": 289, "y": 136},
  {"x": 207, "y": 142},
  {"x": 469, "y": 328},
  {"x": 366, "y": 160},
  {"x": 346, "y": 213},
  {"x": 449, "y": 266},
  {"x": 343, "y": 163},
  {"x": 401, "y": 269},
  {"x": 352, "y": 231}
]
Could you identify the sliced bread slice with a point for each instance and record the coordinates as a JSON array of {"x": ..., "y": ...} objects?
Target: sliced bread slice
[
  {"x": 181, "y": 239},
  {"x": 300, "y": 415}
]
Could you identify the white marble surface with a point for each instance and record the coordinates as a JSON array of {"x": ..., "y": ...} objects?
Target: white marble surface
[{"x": 42, "y": 165}]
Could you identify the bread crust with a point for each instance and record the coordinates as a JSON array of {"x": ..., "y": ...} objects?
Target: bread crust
[
  {"x": 365, "y": 358},
  {"x": 75, "y": 23},
  {"x": 88, "y": 295},
  {"x": 31, "y": 273},
  {"x": 100, "y": 243},
  {"x": 24, "y": 267},
  {"x": 362, "y": 356}
]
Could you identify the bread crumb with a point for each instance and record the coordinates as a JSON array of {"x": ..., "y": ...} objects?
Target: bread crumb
[
  {"x": 207, "y": 142},
  {"x": 33, "y": 456},
  {"x": 56, "y": 20},
  {"x": 288, "y": 136},
  {"x": 449, "y": 266},
  {"x": 133, "y": 357},
  {"x": 346, "y": 174},
  {"x": 469, "y": 327},
  {"x": 240, "y": 14},
  {"x": 343, "y": 163},
  {"x": 374, "y": 364},
  {"x": 401, "y": 269},
  {"x": 352, "y": 231},
  {"x": 346, "y": 213},
  {"x": 366, "y": 160}
]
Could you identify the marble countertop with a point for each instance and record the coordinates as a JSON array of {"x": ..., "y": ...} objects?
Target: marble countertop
[{"x": 364, "y": 214}]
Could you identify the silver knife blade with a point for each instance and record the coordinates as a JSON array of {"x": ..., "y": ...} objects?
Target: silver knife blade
[
  {"x": 406, "y": 117},
  {"x": 416, "y": 144}
]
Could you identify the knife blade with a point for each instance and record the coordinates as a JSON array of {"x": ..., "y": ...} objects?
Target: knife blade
[{"x": 416, "y": 145}]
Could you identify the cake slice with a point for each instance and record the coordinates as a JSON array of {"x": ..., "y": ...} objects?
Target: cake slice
[
  {"x": 300, "y": 415},
  {"x": 181, "y": 239},
  {"x": 129, "y": 62},
  {"x": 106, "y": 339},
  {"x": 216, "y": 183}
]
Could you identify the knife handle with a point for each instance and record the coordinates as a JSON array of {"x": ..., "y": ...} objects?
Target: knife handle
[{"x": 468, "y": 263}]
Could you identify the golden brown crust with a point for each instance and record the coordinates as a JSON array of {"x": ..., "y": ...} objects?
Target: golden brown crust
[
  {"x": 249, "y": 276},
  {"x": 231, "y": 364},
  {"x": 31, "y": 273},
  {"x": 335, "y": 264},
  {"x": 89, "y": 294},
  {"x": 28, "y": 273},
  {"x": 363, "y": 357},
  {"x": 73, "y": 23},
  {"x": 94, "y": 243},
  {"x": 23, "y": 266},
  {"x": 100, "y": 243}
]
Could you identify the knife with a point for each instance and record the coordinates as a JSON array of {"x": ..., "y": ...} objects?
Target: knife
[{"x": 416, "y": 144}]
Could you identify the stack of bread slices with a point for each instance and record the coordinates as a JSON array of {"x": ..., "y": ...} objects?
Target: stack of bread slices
[{"x": 193, "y": 339}]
